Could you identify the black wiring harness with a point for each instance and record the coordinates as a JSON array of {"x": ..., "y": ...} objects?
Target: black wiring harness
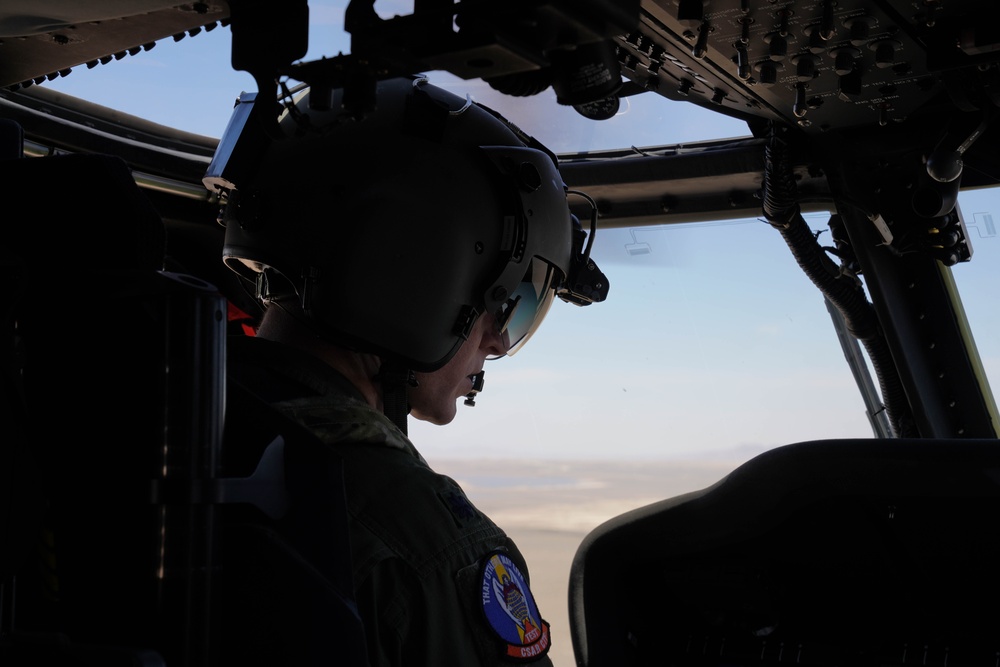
[{"x": 842, "y": 287}]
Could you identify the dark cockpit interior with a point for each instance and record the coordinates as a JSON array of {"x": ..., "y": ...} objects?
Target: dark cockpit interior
[{"x": 124, "y": 518}]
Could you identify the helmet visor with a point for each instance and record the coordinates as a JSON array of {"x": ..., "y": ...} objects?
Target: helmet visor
[{"x": 519, "y": 316}]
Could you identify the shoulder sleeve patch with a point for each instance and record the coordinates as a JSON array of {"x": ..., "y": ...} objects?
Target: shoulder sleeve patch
[
  {"x": 510, "y": 610},
  {"x": 462, "y": 510}
]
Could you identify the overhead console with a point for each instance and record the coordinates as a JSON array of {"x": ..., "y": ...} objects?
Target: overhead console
[
  {"x": 816, "y": 64},
  {"x": 857, "y": 552}
]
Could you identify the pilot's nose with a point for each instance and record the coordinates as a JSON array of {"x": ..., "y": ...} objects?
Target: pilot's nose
[{"x": 494, "y": 342}]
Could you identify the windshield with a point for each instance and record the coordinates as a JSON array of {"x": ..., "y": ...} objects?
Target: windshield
[
  {"x": 711, "y": 340},
  {"x": 712, "y": 346}
]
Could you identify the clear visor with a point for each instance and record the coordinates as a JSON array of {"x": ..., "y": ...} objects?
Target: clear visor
[{"x": 521, "y": 314}]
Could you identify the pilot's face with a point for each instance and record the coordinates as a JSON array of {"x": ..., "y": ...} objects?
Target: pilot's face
[{"x": 434, "y": 399}]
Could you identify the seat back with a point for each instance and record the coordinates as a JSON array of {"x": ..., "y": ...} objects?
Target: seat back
[
  {"x": 114, "y": 376},
  {"x": 123, "y": 541},
  {"x": 828, "y": 552},
  {"x": 285, "y": 594}
]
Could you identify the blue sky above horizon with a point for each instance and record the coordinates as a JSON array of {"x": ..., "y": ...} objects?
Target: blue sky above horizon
[{"x": 713, "y": 341}]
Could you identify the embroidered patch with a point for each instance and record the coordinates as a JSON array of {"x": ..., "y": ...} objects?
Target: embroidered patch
[
  {"x": 510, "y": 610},
  {"x": 459, "y": 506}
]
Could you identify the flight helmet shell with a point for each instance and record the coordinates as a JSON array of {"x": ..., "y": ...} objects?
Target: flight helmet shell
[{"x": 397, "y": 230}]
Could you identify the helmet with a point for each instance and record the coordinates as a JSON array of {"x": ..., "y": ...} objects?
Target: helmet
[{"x": 396, "y": 230}]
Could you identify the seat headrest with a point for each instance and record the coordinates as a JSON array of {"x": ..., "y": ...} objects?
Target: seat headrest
[{"x": 78, "y": 212}]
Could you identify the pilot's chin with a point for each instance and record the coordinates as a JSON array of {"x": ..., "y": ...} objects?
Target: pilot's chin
[{"x": 438, "y": 417}]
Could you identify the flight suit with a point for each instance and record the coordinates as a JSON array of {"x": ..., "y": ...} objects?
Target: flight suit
[{"x": 435, "y": 580}]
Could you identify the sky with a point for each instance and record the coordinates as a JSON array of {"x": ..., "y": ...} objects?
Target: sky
[{"x": 710, "y": 343}]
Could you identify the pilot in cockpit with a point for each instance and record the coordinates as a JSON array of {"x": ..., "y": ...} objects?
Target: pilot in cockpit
[{"x": 396, "y": 251}]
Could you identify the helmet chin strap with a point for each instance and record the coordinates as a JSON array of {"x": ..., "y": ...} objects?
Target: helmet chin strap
[{"x": 395, "y": 380}]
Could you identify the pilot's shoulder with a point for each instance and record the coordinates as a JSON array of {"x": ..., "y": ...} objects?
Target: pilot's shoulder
[{"x": 420, "y": 514}]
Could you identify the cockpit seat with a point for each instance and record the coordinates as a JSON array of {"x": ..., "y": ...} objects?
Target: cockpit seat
[
  {"x": 109, "y": 363},
  {"x": 879, "y": 552},
  {"x": 122, "y": 540}
]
